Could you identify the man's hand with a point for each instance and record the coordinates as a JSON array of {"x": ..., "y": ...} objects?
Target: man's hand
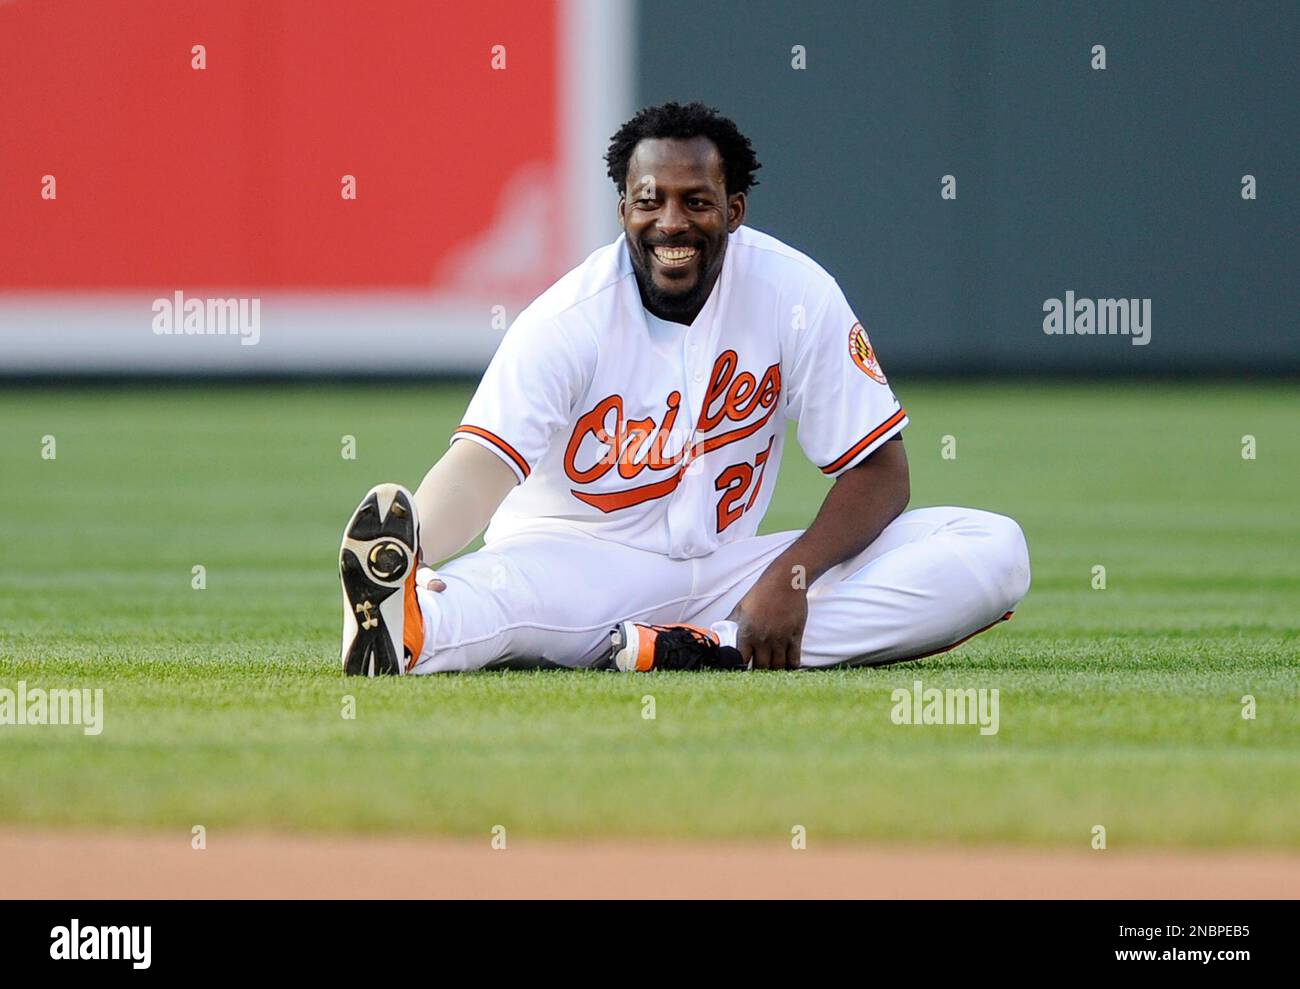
[
  {"x": 771, "y": 619},
  {"x": 856, "y": 510},
  {"x": 428, "y": 578}
]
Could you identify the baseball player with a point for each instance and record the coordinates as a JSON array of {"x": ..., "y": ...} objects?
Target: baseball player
[{"x": 624, "y": 444}]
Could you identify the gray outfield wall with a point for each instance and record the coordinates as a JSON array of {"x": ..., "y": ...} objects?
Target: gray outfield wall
[{"x": 1122, "y": 182}]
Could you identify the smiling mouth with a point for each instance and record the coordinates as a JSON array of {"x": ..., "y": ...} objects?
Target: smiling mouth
[{"x": 674, "y": 257}]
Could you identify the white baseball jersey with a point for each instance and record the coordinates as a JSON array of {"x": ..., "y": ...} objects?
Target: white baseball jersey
[{"x": 665, "y": 437}]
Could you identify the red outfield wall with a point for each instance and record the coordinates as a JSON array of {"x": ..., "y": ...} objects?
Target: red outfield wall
[{"x": 169, "y": 176}]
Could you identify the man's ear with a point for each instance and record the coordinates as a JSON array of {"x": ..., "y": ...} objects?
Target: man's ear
[
  {"x": 736, "y": 206},
  {"x": 622, "y": 210}
]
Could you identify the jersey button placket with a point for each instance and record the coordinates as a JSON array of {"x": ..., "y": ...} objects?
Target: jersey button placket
[
  {"x": 692, "y": 379},
  {"x": 693, "y": 357},
  {"x": 680, "y": 508}
]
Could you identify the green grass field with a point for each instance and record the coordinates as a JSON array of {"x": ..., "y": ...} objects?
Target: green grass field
[{"x": 1120, "y": 707}]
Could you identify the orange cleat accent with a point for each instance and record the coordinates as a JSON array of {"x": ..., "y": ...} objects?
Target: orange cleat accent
[
  {"x": 640, "y": 648},
  {"x": 413, "y": 623}
]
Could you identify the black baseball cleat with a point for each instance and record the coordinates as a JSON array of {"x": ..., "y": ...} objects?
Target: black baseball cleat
[
  {"x": 382, "y": 625},
  {"x": 640, "y": 648}
]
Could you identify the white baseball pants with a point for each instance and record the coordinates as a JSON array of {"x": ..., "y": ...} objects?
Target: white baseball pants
[{"x": 933, "y": 578}]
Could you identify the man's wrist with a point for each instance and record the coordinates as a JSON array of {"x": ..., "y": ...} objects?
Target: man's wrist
[{"x": 784, "y": 573}]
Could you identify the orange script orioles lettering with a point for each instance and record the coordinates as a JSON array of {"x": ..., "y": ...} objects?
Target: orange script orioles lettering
[{"x": 739, "y": 396}]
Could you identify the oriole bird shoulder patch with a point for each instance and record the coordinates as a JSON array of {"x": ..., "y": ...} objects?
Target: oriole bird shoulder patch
[{"x": 863, "y": 355}]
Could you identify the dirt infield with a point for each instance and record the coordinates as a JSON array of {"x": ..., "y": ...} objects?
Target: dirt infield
[{"x": 43, "y": 865}]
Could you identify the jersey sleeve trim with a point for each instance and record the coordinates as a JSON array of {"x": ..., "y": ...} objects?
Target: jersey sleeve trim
[
  {"x": 878, "y": 435},
  {"x": 495, "y": 443}
]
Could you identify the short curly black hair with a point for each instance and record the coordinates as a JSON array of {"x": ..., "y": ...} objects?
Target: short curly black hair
[{"x": 685, "y": 121}]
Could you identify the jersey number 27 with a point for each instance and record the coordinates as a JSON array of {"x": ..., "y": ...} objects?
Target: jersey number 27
[{"x": 734, "y": 481}]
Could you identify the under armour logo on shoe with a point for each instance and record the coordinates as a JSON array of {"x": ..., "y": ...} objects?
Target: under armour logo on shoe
[{"x": 371, "y": 621}]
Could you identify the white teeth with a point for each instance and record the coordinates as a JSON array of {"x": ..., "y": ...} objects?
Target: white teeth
[{"x": 674, "y": 255}]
